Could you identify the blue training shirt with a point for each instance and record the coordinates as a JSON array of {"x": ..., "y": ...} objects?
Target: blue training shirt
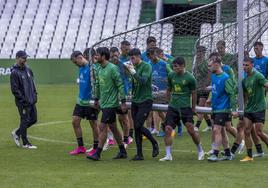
[
  {"x": 220, "y": 98},
  {"x": 261, "y": 65},
  {"x": 85, "y": 88},
  {"x": 159, "y": 74}
]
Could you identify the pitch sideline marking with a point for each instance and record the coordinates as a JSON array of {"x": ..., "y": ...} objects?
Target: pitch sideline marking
[{"x": 66, "y": 142}]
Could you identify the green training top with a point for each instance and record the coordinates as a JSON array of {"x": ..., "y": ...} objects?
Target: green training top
[
  {"x": 253, "y": 87},
  {"x": 142, "y": 83},
  {"x": 202, "y": 76},
  {"x": 108, "y": 85},
  {"x": 181, "y": 87}
]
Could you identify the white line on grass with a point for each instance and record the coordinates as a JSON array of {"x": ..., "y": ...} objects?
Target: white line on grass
[
  {"x": 73, "y": 143},
  {"x": 51, "y": 123},
  {"x": 66, "y": 142}
]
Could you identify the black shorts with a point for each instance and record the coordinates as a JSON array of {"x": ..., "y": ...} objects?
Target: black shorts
[
  {"x": 221, "y": 118},
  {"x": 120, "y": 112},
  {"x": 256, "y": 117},
  {"x": 173, "y": 116},
  {"x": 85, "y": 112},
  {"x": 108, "y": 115},
  {"x": 202, "y": 95}
]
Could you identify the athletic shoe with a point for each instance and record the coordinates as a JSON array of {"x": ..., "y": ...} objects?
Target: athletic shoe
[
  {"x": 240, "y": 149},
  {"x": 258, "y": 155},
  {"x": 94, "y": 157},
  {"x": 207, "y": 129},
  {"x": 180, "y": 130},
  {"x": 166, "y": 158},
  {"x": 226, "y": 158},
  {"x": 106, "y": 146},
  {"x": 209, "y": 153},
  {"x": 161, "y": 134},
  {"x": 137, "y": 158},
  {"x": 29, "y": 146},
  {"x": 213, "y": 158},
  {"x": 120, "y": 155},
  {"x": 201, "y": 156},
  {"x": 125, "y": 145},
  {"x": 130, "y": 140},
  {"x": 144, "y": 138},
  {"x": 246, "y": 159},
  {"x": 15, "y": 137},
  {"x": 154, "y": 131},
  {"x": 155, "y": 151},
  {"x": 91, "y": 151},
  {"x": 196, "y": 129},
  {"x": 78, "y": 150},
  {"x": 111, "y": 142}
]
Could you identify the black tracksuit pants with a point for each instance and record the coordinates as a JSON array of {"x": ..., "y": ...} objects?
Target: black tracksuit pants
[
  {"x": 28, "y": 117},
  {"x": 139, "y": 113}
]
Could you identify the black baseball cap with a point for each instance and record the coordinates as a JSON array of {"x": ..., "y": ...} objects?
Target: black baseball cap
[{"x": 22, "y": 54}]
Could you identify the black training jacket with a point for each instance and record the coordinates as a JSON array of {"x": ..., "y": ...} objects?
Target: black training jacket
[{"x": 22, "y": 85}]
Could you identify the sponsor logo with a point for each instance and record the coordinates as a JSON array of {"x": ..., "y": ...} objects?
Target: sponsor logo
[{"x": 5, "y": 71}]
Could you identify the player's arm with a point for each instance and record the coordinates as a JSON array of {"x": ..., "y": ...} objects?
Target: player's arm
[
  {"x": 145, "y": 75},
  {"x": 230, "y": 89},
  {"x": 97, "y": 88},
  {"x": 15, "y": 89},
  {"x": 192, "y": 86},
  {"x": 119, "y": 84}
]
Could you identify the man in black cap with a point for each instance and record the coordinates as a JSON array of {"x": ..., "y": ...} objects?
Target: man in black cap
[{"x": 23, "y": 88}]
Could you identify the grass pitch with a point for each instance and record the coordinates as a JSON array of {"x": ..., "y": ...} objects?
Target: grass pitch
[{"x": 51, "y": 166}]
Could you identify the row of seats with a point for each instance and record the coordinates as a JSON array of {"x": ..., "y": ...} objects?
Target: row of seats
[{"x": 54, "y": 28}]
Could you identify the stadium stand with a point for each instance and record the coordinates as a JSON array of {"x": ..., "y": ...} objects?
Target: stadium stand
[{"x": 54, "y": 28}]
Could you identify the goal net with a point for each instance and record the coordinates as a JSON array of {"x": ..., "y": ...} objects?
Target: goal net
[{"x": 196, "y": 33}]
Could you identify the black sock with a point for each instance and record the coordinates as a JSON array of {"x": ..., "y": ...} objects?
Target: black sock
[
  {"x": 234, "y": 147},
  {"x": 122, "y": 148},
  {"x": 95, "y": 144},
  {"x": 80, "y": 141},
  {"x": 198, "y": 123},
  {"x": 259, "y": 148},
  {"x": 249, "y": 151},
  {"x": 227, "y": 152},
  {"x": 125, "y": 139},
  {"x": 208, "y": 122},
  {"x": 98, "y": 151},
  {"x": 131, "y": 132},
  {"x": 216, "y": 152}
]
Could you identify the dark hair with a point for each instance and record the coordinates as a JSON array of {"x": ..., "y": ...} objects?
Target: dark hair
[
  {"x": 114, "y": 49},
  {"x": 201, "y": 49},
  {"x": 104, "y": 51},
  {"x": 135, "y": 51},
  {"x": 217, "y": 54},
  {"x": 217, "y": 60},
  {"x": 125, "y": 42},
  {"x": 248, "y": 59},
  {"x": 75, "y": 54},
  {"x": 179, "y": 60},
  {"x": 150, "y": 39},
  {"x": 221, "y": 42},
  {"x": 258, "y": 43},
  {"x": 89, "y": 51}
]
